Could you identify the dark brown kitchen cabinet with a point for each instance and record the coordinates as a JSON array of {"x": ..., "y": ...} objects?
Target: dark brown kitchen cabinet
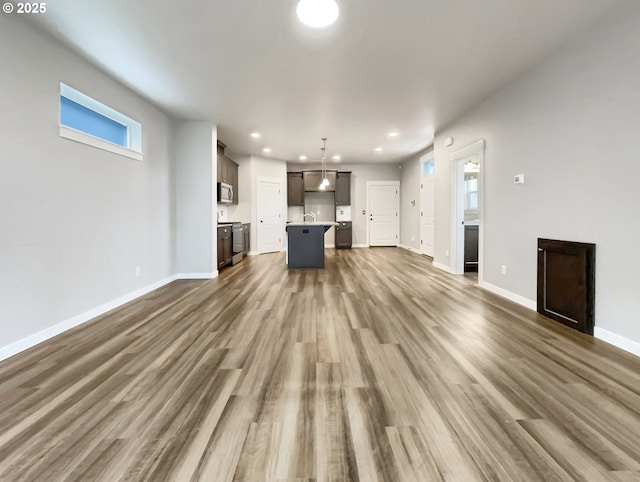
[
  {"x": 313, "y": 179},
  {"x": 470, "y": 249},
  {"x": 227, "y": 171},
  {"x": 343, "y": 189},
  {"x": 295, "y": 189},
  {"x": 224, "y": 246},
  {"x": 343, "y": 235}
]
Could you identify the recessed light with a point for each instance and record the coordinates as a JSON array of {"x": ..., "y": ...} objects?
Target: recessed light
[
  {"x": 336, "y": 157},
  {"x": 317, "y": 13},
  {"x": 393, "y": 134},
  {"x": 303, "y": 158},
  {"x": 266, "y": 149},
  {"x": 255, "y": 135},
  {"x": 378, "y": 149}
]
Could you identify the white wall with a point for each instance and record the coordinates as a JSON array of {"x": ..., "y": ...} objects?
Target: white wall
[
  {"x": 271, "y": 169},
  {"x": 571, "y": 125},
  {"x": 360, "y": 174},
  {"x": 196, "y": 161},
  {"x": 410, "y": 191},
  {"x": 75, "y": 220}
]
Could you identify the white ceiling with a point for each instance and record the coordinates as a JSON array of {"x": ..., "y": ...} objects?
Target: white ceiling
[{"x": 411, "y": 66}]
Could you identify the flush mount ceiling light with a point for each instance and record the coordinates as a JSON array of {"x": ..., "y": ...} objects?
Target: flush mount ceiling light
[
  {"x": 317, "y": 13},
  {"x": 303, "y": 158},
  {"x": 336, "y": 157},
  {"x": 378, "y": 149},
  {"x": 255, "y": 135},
  {"x": 393, "y": 134},
  {"x": 266, "y": 149}
]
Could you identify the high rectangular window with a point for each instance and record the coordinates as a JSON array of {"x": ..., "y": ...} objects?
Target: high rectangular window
[{"x": 86, "y": 120}]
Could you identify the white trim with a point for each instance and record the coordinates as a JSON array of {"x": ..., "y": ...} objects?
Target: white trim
[
  {"x": 468, "y": 150},
  {"x": 409, "y": 248},
  {"x": 442, "y": 267},
  {"x": 359, "y": 246},
  {"x": 43, "y": 335},
  {"x": 197, "y": 275},
  {"x": 617, "y": 340},
  {"x": 78, "y": 136},
  {"x": 521, "y": 300},
  {"x": 253, "y": 253},
  {"x": 329, "y": 245}
]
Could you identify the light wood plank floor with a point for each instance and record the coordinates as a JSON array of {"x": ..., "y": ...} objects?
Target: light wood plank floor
[{"x": 378, "y": 368}]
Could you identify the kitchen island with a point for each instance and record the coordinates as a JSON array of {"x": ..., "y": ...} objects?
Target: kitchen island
[{"x": 305, "y": 244}]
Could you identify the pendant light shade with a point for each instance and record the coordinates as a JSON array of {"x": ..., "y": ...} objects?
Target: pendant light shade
[
  {"x": 317, "y": 13},
  {"x": 325, "y": 182}
]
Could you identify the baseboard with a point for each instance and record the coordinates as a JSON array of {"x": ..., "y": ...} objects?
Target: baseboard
[
  {"x": 32, "y": 340},
  {"x": 197, "y": 275},
  {"x": 359, "y": 245},
  {"x": 329, "y": 245},
  {"x": 521, "y": 300},
  {"x": 252, "y": 253},
  {"x": 443, "y": 267},
  {"x": 409, "y": 248},
  {"x": 617, "y": 340}
]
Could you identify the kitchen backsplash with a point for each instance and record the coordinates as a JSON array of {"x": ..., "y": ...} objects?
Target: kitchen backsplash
[
  {"x": 295, "y": 214},
  {"x": 343, "y": 213}
]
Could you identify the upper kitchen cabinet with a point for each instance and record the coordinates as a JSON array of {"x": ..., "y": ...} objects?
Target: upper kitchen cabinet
[
  {"x": 313, "y": 179},
  {"x": 227, "y": 171},
  {"x": 343, "y": 189},
  {"x": 295, "y": 189}
]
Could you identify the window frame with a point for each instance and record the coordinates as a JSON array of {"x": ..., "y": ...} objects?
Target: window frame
[{"x": 133, "y": 149}]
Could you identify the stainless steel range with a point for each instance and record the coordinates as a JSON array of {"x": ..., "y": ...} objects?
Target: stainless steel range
[{"x": 237, "y": 240}]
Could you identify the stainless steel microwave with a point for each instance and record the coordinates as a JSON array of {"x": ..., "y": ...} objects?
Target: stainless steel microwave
[{"x": 225, "y": 193}]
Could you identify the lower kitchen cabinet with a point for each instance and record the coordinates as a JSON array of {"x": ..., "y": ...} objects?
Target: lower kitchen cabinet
[
  {"x": 343, "y": 235},
  {"x": 224, "y": 246},
  {"x": 470, "y": 249}
]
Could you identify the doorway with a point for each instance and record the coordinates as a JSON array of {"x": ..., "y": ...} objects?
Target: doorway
[
  {"x": 383, "y": 205},
  {"x": 467, "y": 232},
  {"x": 427, "y": 205},
  {"x": 269, "y": 208}
]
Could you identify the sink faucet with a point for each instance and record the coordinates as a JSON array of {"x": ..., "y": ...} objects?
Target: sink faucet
[{"x": 313, "y": 216}]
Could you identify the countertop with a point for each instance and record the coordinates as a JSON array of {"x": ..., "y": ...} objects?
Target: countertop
[
  {"x": 227, "y": 224},
  {"x": 313, "y": 223}
]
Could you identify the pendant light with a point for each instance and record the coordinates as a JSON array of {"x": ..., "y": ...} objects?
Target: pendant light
[
  {"x": 325, "y": 181},
  {"x": 317, "y": 13}
]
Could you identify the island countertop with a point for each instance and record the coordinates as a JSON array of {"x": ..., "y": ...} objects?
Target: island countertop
[{"x": 312, "y": 223}]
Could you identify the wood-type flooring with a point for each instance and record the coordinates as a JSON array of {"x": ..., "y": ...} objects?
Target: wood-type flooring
[{"x": 377, "y": 368}]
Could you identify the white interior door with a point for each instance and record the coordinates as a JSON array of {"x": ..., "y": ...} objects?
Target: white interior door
[
  {"x": 269, "y": 216},
  {"x": 473, "y": 152},
  {"x": 427, "y": 205},
  {"x": 383, "y": 207}
]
